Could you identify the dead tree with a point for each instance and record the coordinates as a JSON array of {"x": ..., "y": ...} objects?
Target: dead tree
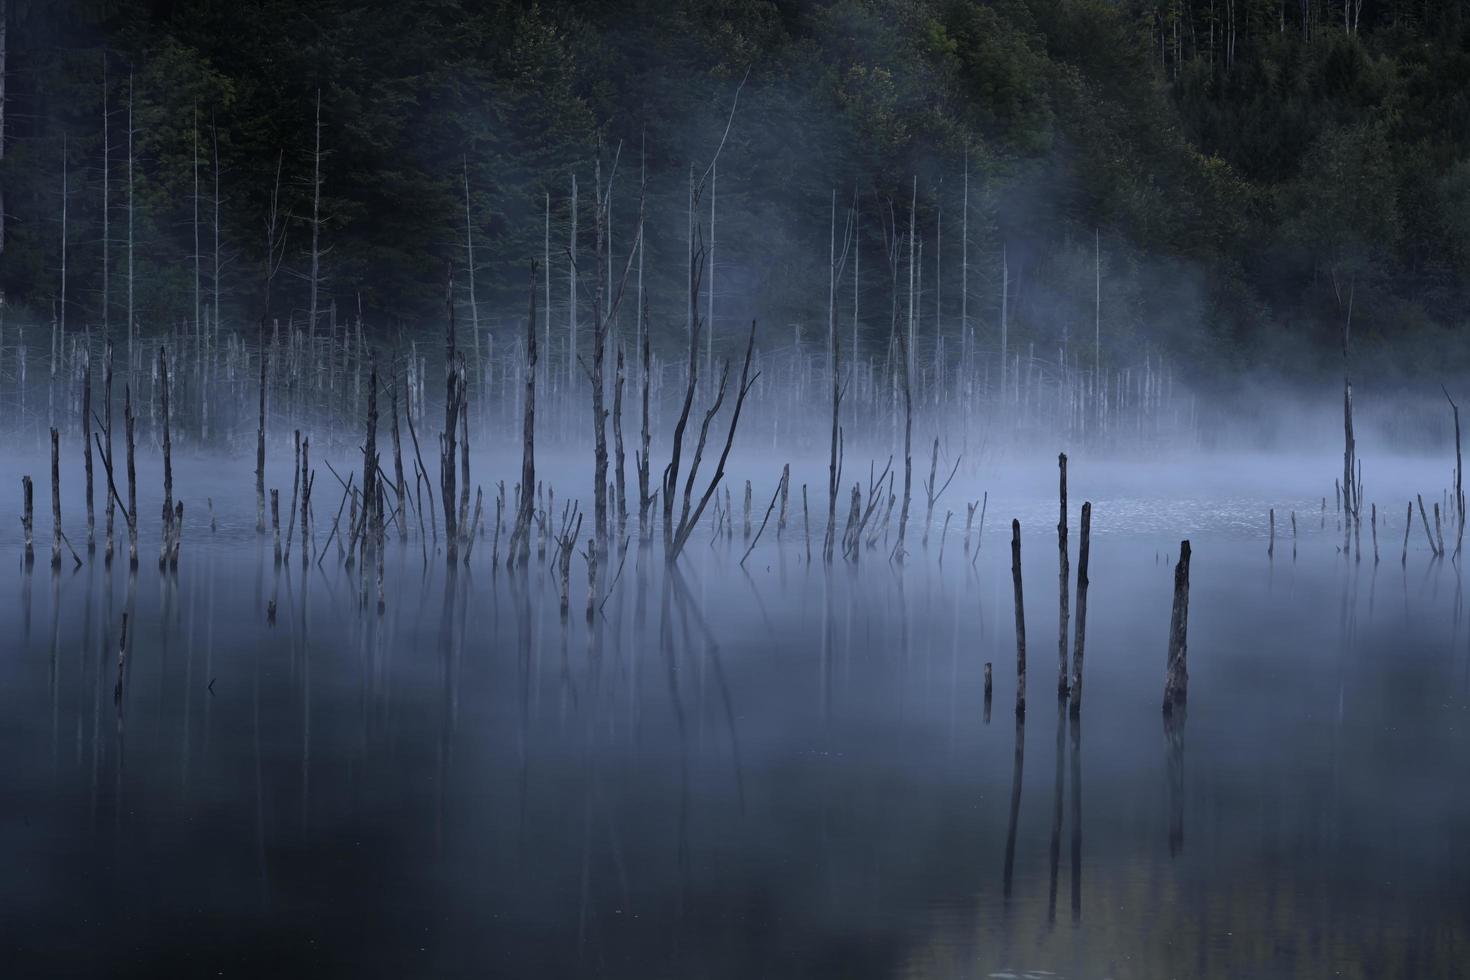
[
  {"x": 566, "y": 539},
  {"x": 519, "y": 549},
  {"x": 619, "y": 483},
  {"x": 1176, "y": 678},
  {"x": 1020, "y": 618},
  {"x": 55, "y": 498},
  {"x": 168, "y": 462},
  {"x": 260, "y": 453},
  {"x": 677, "y": 535},
  {"x": 129, "y": 424},
  {"x": 1459, "y": 478},
  {"x": 87, "y": 448},
  {"x": 640, "y": 457},
  {"x": 605, "y": 302},
  {"x": 452, "y": 398},
  {"x": 106, "y": 450},
  {"x": 371, "y": 505},
  {"x": 1083, "y": 552},
  {"x": 1064, "y": 611},
  {"x": 27, "y": 518}
]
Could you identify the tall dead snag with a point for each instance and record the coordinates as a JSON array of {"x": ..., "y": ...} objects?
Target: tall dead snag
[
  {"x": 931, "y": 492},
  {"x": 1408, "y": 523},
  {"x": 1349, "y": 454},
  {"x": 27, "y": 517},
  {"x": 677, "y": 536},
  {"x": 1064, "y": 611},
  {"x": 606, "y": 299},
  {"x": 55, "y": 498},
  {"x": 447, "y": 476},
  {"x": 645, "y": 499},
  {"x": 87, "y": 447},
  {"x": 1082, "y": 555},
  {"x": 519, "y": 548},
  {"x": 129, "y": 424},
  {"x": 1020, "y": 618},
  {"x": 619, "y": 483},
  {"x": 1176, "y": 677},
  {"x": 106, "y": 451},
  {"x": 898, "y": 336},
  {"x": 566, "y": 539},
  {"x": 785, "y": 492},
  {"x": 260, "y": 452},
  {"x": 168, "y": 463},
  {"x": 371, "y": 505},
  {"x": 1459, "y": 478},
  {"x": 835, "y": 267},
  {"x": 400, "y": 489}
]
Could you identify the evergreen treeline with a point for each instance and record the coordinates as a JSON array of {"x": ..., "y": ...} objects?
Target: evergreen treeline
[{"x": 1240, "y": 171}]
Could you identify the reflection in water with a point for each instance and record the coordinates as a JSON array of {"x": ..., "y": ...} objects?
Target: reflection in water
[
  {"x": 399, "y": 794},
  {"x": 1076, "y": 729},
  {"x": 1017, "y": 764},
  {"x": 1174, "y": 744},
  {"x": 1056, "y": 809}
]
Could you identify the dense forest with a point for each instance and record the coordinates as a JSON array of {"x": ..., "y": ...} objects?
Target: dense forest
[{"x": 1219, "y": 180}]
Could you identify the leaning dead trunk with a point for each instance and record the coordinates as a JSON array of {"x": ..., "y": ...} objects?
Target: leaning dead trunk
[
  {"x": 55, "y": 498},
  {"x": 1176, "y": 678},
  {"x": 519, "y": 549},
  {"x": 168, "y": 462},
  {"x": 1020, "y": 618},
  {"x": 1077, "y": 651},
  {"x": 27, "y": 519},
  {"x": 87, "y": 449},
  {"x": 260, "y": 452},
  {"x": 1064, "y": 613}
]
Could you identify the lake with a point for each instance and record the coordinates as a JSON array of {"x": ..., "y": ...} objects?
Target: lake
[{"x": 776, "y": 769}]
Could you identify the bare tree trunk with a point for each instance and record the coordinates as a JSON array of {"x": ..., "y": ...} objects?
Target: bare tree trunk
[
  {"x": 55, "y": 498},
  {"x": 1064, "y": 612},
  {"x": 1020, "y": 618},
  {"x": 519, "y": 549},
  {"x": 400, "y": 490},
  {"x": 110, "y": 507},
  {"x": 371, "y": 505},
  {"x": 168, "y": 461},
  {"x": 87, "y": 444},
  {"x": 1077, "y": 652},
  {"x": 129, "y": 423},
  {"x": 619, "y": 481},
  {"x": 446, "y": 438},
  {"x": 1176, "y": 679},
  {"x": 27, "y": 519},
  {"x": 260, "y": 453}
]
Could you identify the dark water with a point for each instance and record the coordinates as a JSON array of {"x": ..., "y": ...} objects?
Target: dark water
[{"x": 780, "y": 771}]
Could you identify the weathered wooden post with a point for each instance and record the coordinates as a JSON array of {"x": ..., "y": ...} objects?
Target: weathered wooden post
[
  {"x": 27, "y": 521},
  {"x": 87, "y": 449},
  {"x": 1373, "y": 518},
  {"x": 1064, "y": 611},
  {"x": 1020, "y": 618},
  {"x": 168, "y": 462},
  {"x": 1408, "y": 523},
  {"x": 55, "y": 498},
  {"x": 1271, "y": 542},
  {"x": 1083, "y": 553},
  {"x": 987, "y": 692},
  {"x": 260, "y": 451},
  {"x": 1176, "y": 678}
]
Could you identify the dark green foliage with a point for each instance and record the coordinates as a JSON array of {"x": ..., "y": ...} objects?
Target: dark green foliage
[{"x": 1239, "y": 197}]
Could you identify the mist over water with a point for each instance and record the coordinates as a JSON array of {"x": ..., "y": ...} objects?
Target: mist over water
[{"x": 776, "y": 768}]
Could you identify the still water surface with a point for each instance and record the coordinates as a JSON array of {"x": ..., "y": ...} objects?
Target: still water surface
[{"x": 779, "y": 771}]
